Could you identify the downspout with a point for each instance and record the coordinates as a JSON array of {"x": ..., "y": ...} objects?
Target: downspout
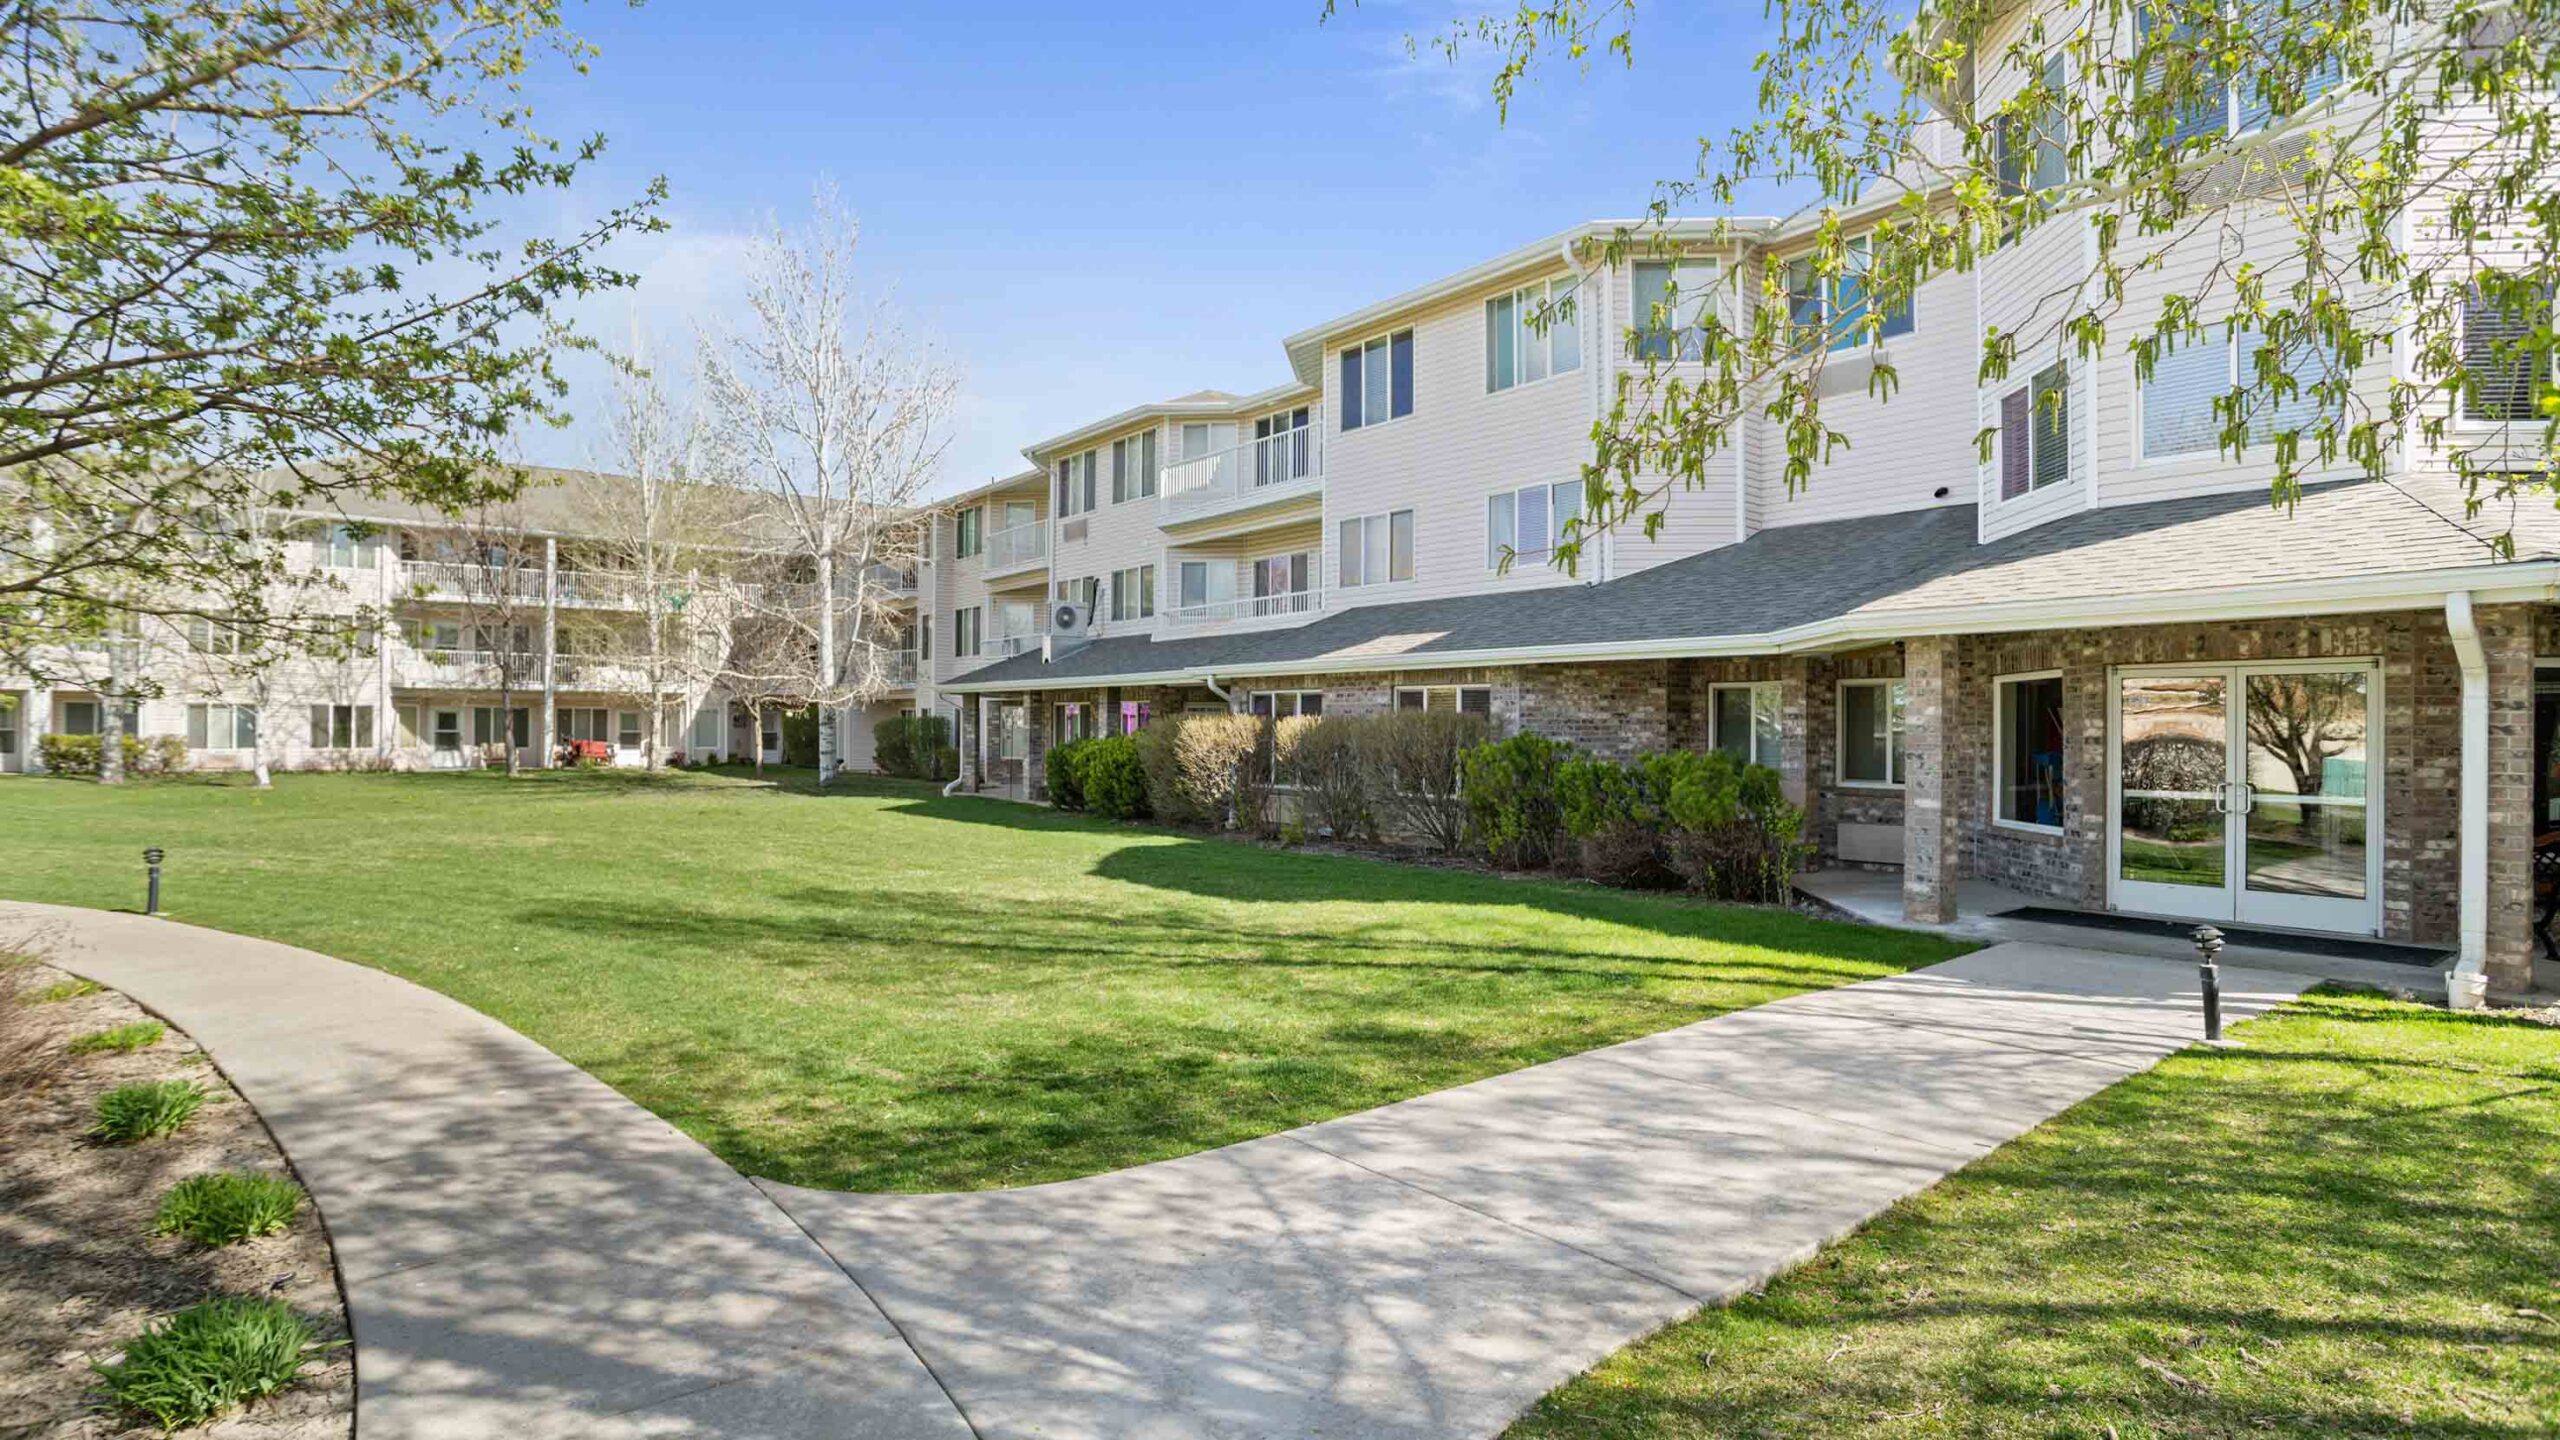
[
  {"x": 2467, "y": 983},
  {"x": 1597, "y": 391},
  {"x": 1223, "y": 697},
  {"x": 961, "y": 769}
]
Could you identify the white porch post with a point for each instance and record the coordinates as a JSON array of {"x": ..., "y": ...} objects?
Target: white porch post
[
  {"x": 550, "y": 651},
  {"x": 386, "y": 711}
]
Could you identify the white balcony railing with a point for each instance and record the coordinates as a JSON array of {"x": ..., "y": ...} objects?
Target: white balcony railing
[
  {"x": 1248, "y": 607},
  {"x": 899, "y": 669},
  {"x": 1001, "y": 647},
  {"x": 1272, "y": 467},
  {"x": 454, "y": 580},
  {"x": 1016, "y": 546}
]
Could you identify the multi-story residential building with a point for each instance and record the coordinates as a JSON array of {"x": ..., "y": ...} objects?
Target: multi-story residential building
[
  {"x": 2093, "y": 665},
  {"x": 526, "y": 636}
]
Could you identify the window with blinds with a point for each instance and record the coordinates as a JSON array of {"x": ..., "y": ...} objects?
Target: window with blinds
[
  {"x": 2506, "y": 378},
  {"x": 2035, "y": 433},
  {"x": 2177, "y": 401},
  {"x": 1528, "y": 523}
]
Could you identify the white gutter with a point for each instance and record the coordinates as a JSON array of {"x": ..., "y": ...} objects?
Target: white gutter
[
  {"x": 1223, "y": 697},
  {"x": 956, "y": 712},
  {"x": 2536, "y": 581},
  {"x": 2467, "y": 984}
]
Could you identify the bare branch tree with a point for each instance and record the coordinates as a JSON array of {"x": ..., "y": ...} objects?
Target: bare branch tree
[{"x": 833, "y": 426}]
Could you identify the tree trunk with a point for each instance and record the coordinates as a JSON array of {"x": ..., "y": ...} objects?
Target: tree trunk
[
  {"x": 826, "y": 667},
  {"x": 110, "y": 741},
  {"x": 755, "y": 736}
]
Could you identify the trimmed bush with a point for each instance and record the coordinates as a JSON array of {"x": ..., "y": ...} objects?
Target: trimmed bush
[
  {"x": 1412, "y": 759},
  {"x": 228, "y": 1206},
  {"x": 77, "y": 755},
  {"x": 1201, "y": 771},
  {"x": 123, "y": 1039},
  {"x": 204, "y": 1360},
  {"x": 800, "y": 736},
  {"x": 1113, "y": 779},
  {"x": 1735, "y": 837},
  {"x": 1614, "y": 820},
  {"x": 916, "y": 747},
  {"x": 1510, "y": 787},
  {"x": 146, "y": 1109},
  {"x": 1066, "y": 785},
  {"x": 1333, "y": 784}
]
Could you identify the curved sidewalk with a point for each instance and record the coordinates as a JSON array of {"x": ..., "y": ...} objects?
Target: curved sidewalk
[{"x": 526, "y": 1254}]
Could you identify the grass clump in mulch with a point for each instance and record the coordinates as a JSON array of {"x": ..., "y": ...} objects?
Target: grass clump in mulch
[
  {"x": 121, "y": 1039},
  {"x": 228, "y": 1206},
  {"x": 146, "y": 1109},
  {"x": 210, "y": 1358},
  {"x": 61, "y": 990}
]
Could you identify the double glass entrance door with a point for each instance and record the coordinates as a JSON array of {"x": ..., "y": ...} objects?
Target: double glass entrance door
[{"x": 2239, "y": 792}]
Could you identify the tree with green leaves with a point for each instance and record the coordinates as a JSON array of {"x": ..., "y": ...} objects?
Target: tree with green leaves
[
  {"x": 253, "y": 260},
  {"x": 2326, "y": 186}
]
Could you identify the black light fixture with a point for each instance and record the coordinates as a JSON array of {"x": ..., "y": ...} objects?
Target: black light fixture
[
  {"x": 2208, "y": 950},
  {"x": 151, "y": 900}
]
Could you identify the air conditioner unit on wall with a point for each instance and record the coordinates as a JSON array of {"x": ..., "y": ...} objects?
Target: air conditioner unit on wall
[{"x": 1070, "y": 627}]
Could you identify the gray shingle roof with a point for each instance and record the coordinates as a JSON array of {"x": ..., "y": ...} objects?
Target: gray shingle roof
[{"x": 1791, "y": 583}]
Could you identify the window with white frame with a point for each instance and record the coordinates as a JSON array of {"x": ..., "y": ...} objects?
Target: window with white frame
[
  {"x": 1133, "y": 593},
  {"x": 1072, "y": 720},
  {"x": 216, "y": 637},
  {"x": 80, "y": 717},
  {"x": 1286, "y": 704},
  {"x": 1528, "y": 523},
  {"x": 1283, "y": 448},
  {"x": 1743, "y": 722},
  {"x": 2035, "y": 433},
  {"x": 1531, "y": 334},
  {"x": 215, "y": 727},
  {"x": 627, "y": 730},
  {"x": 340, "y": 727},
  {"x": 582, "y": 722},
  {"x": 490, "y": 725},
  {"x": 1833, "y": 313},
  {"x": 970, "y": 536},
  {"x": 1085, "y": 591},
  {"x": 436, "y": 636},
  {"x": 2506, "y": 377},
  {"x": 1204, "y": 587},
  {"x": 342, "y": 547},
  {"x": 1203, "y": 438},
  {"x": 2236, "y": 104},
  {"x": 965, "y": 636},
  {"x": 2030, "y": 154},
  {"x": 706, "y": 730},
  {"x": 1376, "y": 549},
  {"x": 1871, "y": 714},
  {"x": 1079, "y": 479},
  {"x": 1670, "y": 308},
  {"x": 1377, "y": 381},
  {"x": 1133, "y": 467},
  {"x": 1464, "y": 699},
  {"x": 1284, "y": 584},
  {"x": 2027, "y": 746},
  {"x": 2179, "y": 416}
]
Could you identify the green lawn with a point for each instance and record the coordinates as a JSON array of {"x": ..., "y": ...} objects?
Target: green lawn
[
  {"x": 881, "y": 989},
  {"x": 2349, "y": 1227}
]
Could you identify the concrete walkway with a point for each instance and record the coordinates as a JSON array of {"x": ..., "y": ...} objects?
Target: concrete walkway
[
  {"x": 1429, "y": 1269},
  {"x": 527, "y": 1255}
]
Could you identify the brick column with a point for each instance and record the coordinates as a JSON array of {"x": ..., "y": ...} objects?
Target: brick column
[
  {"x": 973, "y": 769},
  {"x": 1931, "y": 842},
  {"x": 2506, "y": 642},
  {"x": 1798, "y": 675}
]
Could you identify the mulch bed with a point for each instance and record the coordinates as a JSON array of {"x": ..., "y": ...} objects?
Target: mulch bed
[{"x": 80, "y": 1270}]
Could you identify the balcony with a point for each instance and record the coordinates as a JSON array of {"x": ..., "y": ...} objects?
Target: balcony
[
  {"x": 1268, "y": 471},
  {"x": 453, "y": 580},
  {"x": 465, "y": 669},
  {"x": 894, "y": 581},
  {"x": 898, "y": 669},
  {"x": 1017, "y": 547},
  {"x": 1294, "y": 604}
]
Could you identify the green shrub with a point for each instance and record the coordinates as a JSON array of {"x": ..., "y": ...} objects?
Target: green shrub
[
  {"x": 145, "y": 1109},
  {"x": 67, "y": 990},
  {"x": 1734, "y": 836},
  {"x": 1332, "y": 784},
  {"x": 204, "y": 1360},
  {"x": 1510, "y": 787},
  {"x": 228, "y": 1206},
  {"x": 1615, "y": 821},
  {"x": 1412, "y": 758},
  {"x": 1113, "y": 778},
  {"x": 917, "y": 747},
  {"x": 77, "y": 755},
  {"x": 800, "y": 736},
  {"x": 1065, "y": 782},
  {"x": 123, "y": 1039}
]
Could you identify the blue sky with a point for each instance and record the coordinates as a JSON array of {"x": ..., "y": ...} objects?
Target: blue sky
[{"x": 1087, "y": 207}]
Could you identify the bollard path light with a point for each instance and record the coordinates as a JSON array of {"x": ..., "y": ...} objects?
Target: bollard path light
[
  {"x": 2208, "y": 950},
  {"x": 151, "y": 900}
]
